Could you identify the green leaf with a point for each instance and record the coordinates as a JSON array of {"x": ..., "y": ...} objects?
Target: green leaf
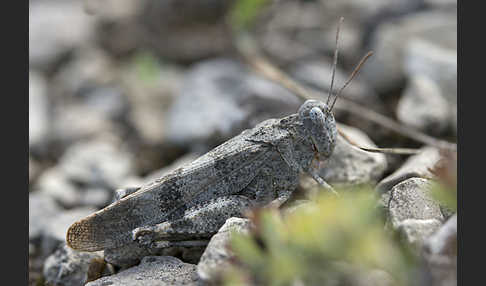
[
  {"x": 311, "y": 244},
  {"x": 147, "y": 67},
  {"x": 244, "y": 13}
]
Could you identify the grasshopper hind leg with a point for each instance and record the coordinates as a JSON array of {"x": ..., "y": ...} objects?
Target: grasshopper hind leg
[{"x": 201, "y": 221}]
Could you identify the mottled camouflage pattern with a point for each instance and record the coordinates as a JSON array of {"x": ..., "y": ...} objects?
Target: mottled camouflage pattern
[{"x": 257, "y": 167}]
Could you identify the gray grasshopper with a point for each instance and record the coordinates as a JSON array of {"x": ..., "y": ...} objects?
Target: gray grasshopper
[{"x": 259, "y": 167}]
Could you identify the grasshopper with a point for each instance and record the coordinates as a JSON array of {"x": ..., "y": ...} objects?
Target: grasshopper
[{"x": 259, "y": 167}]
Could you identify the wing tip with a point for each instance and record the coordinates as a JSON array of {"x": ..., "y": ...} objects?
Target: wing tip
[{"x": 80, "y": 236}]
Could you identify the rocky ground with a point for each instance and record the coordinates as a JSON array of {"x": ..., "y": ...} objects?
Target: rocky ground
[{"x": 122, "y": 93}]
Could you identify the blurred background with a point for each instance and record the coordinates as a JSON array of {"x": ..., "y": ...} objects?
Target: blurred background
[{"x": 123, "y": 91}]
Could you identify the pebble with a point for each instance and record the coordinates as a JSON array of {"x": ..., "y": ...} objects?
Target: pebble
[
  {"x": 217, "y": 254},
  {"x": 349, "y": 165},
  {"x": 69, "y": 267},
  {"x": 423, "y": 106},
  {"x": 219, "y": 98},
  {"x": 46, "y": 47},
  {"x": 413, "y": 211},
  {"x": 440, "y": 252},
  {"x": 153, "y": 270},
  {"x": 38, "y": 111},
  {"x": 386, "y": 71},
  {"x": 418, "y": 165}
]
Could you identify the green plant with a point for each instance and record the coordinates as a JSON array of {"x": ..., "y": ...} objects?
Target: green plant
[
  {"x": 147, "y": 67},
  {"x": 244, "y": 12},
  {"x": 327, "y": 243}
]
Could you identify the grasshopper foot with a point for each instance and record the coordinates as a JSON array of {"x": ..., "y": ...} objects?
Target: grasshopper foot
[{"x": 323, "y": 183}]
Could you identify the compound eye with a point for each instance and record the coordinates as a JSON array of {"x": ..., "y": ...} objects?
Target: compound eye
[
  {"x": 317, "y": 117},
  {"x": 314, "y": 121}
]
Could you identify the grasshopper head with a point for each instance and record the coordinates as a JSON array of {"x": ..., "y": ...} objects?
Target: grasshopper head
[{"x": 320, "y": 125}]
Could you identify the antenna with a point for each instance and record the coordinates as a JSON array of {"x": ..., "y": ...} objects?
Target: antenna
[
  {"x": 334, "y": 64},
  {"x": 353, "y": 74}
]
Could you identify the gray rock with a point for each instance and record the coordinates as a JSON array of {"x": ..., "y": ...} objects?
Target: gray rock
[
  {"x": 50, "y": 35},
  {"x": 118, "y": 28},
  {"x": 217, "y": 254},
  {"x": 88, "y": 173},
  {"x": 151, "y": 96},
  {"x": 48, "y": 222},
  {"x": 411, "y": 199},
  {"x": 153, "y": 270},
  {"x": 289, "y": 33},
  {"x": 417, "y": 230},
  {"x": 293, "y": 30},
  {"x": 55, "y": 184},
  {"x": 107, "y": 100},
  {"x": 131, "y": 254},
  {"x": 97, "y": 197},
  {"x": 69, "y": 267},
  {"x": 42, "y": 209},
  {"x": 349, "y": 165},
  {"x": 102, "y": 162},
  {"x": 386, "y": 70},
  {"x": 86, "y": 69},
  {"x": 89, "y": 99},
  {"x": 413, "y": 211},
  {"x": 418, "y": 165},
  {"x": 438, "y": 62},
  {"x": 423, "y": 107},
  {"x": 219, "y": 99},
  {"x": 126, "y": 256},
  {"x": 73, "y": 123},
  {"x": 86, "y": 108},
  {"x": 38, "y": 110},
  {"x": 444, "y": 241},
  {"x": 440, "y": 251},
  {"x": 185, "y": 30}
]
